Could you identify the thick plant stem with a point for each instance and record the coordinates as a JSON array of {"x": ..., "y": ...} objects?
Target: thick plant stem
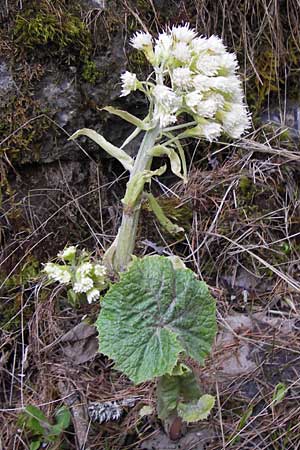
[{"x": 127, "y": 232}]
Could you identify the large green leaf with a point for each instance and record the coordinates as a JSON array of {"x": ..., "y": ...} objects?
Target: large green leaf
[{"x": 153, "y": 314}]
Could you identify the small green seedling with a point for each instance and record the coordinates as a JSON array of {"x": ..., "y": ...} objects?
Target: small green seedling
[{"x": 40, "y": 429}]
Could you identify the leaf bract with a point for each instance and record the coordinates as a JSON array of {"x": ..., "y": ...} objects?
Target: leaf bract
[
  {"x": 192, "y": 412},
  {"x": 111, "y": 149}
]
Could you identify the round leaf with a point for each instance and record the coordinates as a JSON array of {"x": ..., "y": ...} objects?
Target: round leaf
[{"x": 151, "y": 315}]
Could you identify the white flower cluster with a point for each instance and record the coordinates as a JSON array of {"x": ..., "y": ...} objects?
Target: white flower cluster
[
  {"x": 85, "y": 277},
  {"x": 129, "y": 83},
  {"x": 194, "y": 75},
  {"x": 58, "y": 273}
]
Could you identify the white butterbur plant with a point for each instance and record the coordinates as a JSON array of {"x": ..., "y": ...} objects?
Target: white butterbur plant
[
  {"x": 161, "y": 314},
  {"x": 82, "y": 277}
]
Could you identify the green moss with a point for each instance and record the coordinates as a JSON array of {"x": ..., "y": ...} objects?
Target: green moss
[
  {"x": 245, "y": 185},
  {"x": 29, "y": 272},
  {"x": 10, "y": 317},
  {"x": 25, "y": 144},
  {"x": 90, "y": 73},
  {"x": 60, "y": 33},
  {"x": 137, "y": 62}
]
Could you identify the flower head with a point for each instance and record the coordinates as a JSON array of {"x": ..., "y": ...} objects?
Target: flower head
[
  {"x": 58, "y": 273},
  {"x": 92, "y": 295},
  {"x": 192, "y": 74},
  {"x": 208, "y": 129},
  {"x": 181, "y": 52},
  {"x": 208, "y": 64},
  {"x": 166, "y": 97},
  {"x": 68, "y": 253},
  {"x": 162, "y": 49},
  {"x": 215, "y": 44},
  {"x": 141, "y": 40},
  {"x": 84, "y": 269},
  {"x": 183, "y": 33},
  {"x": 167, "y": 104},
  {"x": 181, "y": 77},
  {"x": 236, "y": 120},
  {"x": 129, "y": 83},
  {"x": 83, "y": 284},
  {"x": 99, "y": 270}
]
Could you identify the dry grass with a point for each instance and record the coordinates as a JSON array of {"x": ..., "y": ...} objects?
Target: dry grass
[{"x": 244, "y": 242}]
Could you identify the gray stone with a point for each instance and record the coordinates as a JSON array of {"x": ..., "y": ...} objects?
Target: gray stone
[
  {"x": 285, "y": 118},
  {"x": 7, "y": 84},
  {"x": 58, "y": 93},
  {"x": 97, "y": 4}
]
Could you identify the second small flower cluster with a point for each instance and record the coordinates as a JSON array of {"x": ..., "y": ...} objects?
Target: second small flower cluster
[{"x": 78, "y": 273}]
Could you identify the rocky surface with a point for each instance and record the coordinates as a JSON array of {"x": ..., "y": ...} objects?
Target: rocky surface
[
  {"x": 7, "y": 85},
  {"x": 44, "y": 98}
]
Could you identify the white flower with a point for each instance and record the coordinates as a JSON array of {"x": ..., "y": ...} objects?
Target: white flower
[
  {"x": 99, "y": 270},
  {"x": 68, "y": 253},
  {"x": 228, "y": 63},
  {"x": 215, "y": 44},
  {"x": 162, "y": 49},
  {"x": 83, "y": 284},
  {"x": 207, "y": 108},
  {"x": 206, "y": 128},
  {"x": 203, "y": 79},
  {"x": 181, "y": 77},
  {"x": 65, "y": 276},
  {"x": 166, "y": 97},
  {"x": 203, "y": 83},
  {"x": 84, "y": 269},
  {"x": 58, "y": 273},
  {"x": 192, "y": 99},
  {"x": 167, "y": 104},
  {"x": 141, "y": 40},
  {"x": 183, "y": 33},
  {"x": 182, "y": 52},
  {"x": 199, "y": 44},
  {"x": 208, "y": 64},
  {"x": 166, "y": 119},
  {"x": 210, "y": 105},
  {"x": 211, "y": 130},
  {"x": 230, "y": 85},
  {"x": 236, "y": 120},
  {"x": 129, "y": 83},
  {"x": 92, "y": 295}
]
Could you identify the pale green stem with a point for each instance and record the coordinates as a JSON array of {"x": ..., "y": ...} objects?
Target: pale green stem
[
  {"x": 179, "y": 127},
  {"x": 127, "y": 232}
]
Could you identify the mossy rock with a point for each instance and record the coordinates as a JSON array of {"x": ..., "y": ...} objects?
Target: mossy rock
[{"x": 54, "y": 34}]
